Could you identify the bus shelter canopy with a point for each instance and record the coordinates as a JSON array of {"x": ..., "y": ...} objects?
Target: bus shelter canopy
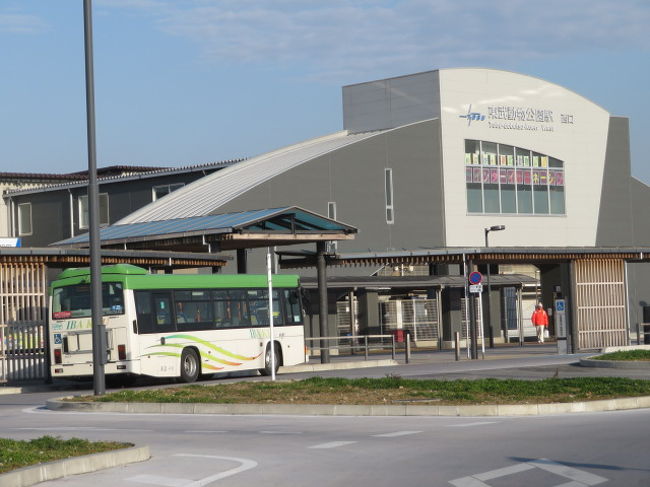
[{"x": 229, "y": 231}]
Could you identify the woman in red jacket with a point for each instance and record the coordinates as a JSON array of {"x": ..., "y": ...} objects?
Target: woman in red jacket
[{"x": 540, "y": 320}]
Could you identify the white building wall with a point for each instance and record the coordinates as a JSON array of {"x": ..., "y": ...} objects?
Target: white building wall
[
  {"x": 5, "y": 216},
  {"x": 576, "y": 135}
]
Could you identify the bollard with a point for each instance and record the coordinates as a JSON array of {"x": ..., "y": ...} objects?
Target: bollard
[
  {"x": 457, "y": 345},
  {"x": 393, "y": 347},
  {"x": 407, "y": 349},
  {"x": 365, "y": 339}
]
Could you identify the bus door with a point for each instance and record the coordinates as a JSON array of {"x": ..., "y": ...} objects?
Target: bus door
[{"x": 154, "y": 323}]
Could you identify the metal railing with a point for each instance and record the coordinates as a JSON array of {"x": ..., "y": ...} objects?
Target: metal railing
[
  {"x": 643, "y": 333},
  {"x": 22, "y": 352},
  {"x": 358, "y": 344}
]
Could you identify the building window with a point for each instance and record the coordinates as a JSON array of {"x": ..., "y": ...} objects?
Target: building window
[
  {"x": 25, "y": 219},
  {"x": 84, "y": 212},
  {"x": 164, "y": 189},
  {"x": 388, "y": 187},
  {"x": 503, "y": 179}
]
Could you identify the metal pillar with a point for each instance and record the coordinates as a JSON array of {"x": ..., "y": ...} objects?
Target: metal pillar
[
  {"x": 472, "y": 319},
  {"x": 322, "y": 295},
  {"x": 242, "y": 263},
  {"x": 99, "y": 329}
]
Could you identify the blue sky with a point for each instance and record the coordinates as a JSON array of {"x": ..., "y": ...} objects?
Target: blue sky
[{"x": 182, "y": 82}]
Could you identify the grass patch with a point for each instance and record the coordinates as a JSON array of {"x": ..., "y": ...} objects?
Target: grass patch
[
  {"x": 628, "y": 355},
  {"x": 390, "y": 390},
  {"x": 18, "y": 453}
]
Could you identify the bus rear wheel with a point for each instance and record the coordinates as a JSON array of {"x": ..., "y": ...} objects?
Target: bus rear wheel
[
  {"x": 267, "y": 360},
  {"x": 190, "y": 365}
]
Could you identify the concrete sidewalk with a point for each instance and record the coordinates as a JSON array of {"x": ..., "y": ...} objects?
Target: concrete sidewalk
[{"x": 530, "y": 362}]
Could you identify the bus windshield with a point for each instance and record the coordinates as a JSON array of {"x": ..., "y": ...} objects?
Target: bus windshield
[{"x": 75, "y": 302}]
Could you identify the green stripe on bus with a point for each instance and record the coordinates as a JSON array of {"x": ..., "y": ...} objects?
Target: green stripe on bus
[
  {"x": 136, "y": 278},
  {"x": 203, "y": 354},
  {"x": 213, "y": 347}
]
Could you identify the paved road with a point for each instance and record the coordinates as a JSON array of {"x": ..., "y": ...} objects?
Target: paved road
[
  {"x": 588, "y": 449},
  {"x": 209, "y": 450}
]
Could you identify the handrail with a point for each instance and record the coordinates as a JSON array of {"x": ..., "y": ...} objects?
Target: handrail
[{"x": 366, "y": 346}]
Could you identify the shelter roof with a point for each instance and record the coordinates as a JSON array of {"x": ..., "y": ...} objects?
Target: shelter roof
[
  {"x": 58, "y": 257},
  {"x": 247, "y": 229},
  {"x": 479, "y": 255},
  {"x": 412, "y": 282}
]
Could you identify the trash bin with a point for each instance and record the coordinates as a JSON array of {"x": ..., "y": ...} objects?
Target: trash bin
[{"x": 399, "y": 335}]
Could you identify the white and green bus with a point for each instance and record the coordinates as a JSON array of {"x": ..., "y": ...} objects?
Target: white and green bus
[{"x": 172, "y": 325}]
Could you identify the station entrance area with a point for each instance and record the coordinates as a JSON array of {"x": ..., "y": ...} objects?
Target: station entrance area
[{"x": 591, "y": 285}]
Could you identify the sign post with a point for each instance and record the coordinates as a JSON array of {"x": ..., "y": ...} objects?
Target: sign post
[
  {"x": 475, "y": 287},
  {"x": 560, "y": 325}
]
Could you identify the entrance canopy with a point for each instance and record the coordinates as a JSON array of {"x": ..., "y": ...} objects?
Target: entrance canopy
[
  {"x": 230, "y": 231},
  {"x": 479, "y": 255}
]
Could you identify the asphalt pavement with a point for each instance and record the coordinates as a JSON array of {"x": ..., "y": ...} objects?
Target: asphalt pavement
[{"x": 531, "y": 362}]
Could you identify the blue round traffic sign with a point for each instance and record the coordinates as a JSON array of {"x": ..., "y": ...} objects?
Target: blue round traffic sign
[{"x": 475, "y": 278}]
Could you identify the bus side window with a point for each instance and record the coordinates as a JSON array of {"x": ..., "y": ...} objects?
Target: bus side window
[
  {"x": 238, "y": 310},
  {"x": 143, "y": 311},
  {"x": 162, "y": 307},
  {"x": 162, "y": 311},
  {"x": 221, "y": 305},
  {"x": 292, "y": 306}
]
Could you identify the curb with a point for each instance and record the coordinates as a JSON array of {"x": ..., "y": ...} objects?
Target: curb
[
  {"x": 354, "y": 410},
  {"x": 42, "y": 472},
  {"x": 615, "y": 364},
  {"x": 292, "y": 369}
]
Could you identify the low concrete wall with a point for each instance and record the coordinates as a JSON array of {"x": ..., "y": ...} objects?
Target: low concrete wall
[{"x": 73, "y": 466}]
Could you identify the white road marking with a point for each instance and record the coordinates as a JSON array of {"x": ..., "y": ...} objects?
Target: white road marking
[
  {"x": 80, "y": 428},
  {"x": 206, "y": 431},
  {"x": 469, "y": 425},
  {"x": 579, "y": 478},
  {"x": 568, "y": 472},
  {"x": 332, "y": 444},
  {"x": 502, "y": 472},
  {"x": 270, "y": 432},
  {"x": 396, "y": 433},
  {"x": 245, "y": 464},
  {"x": 158, "y": 480},
  {"x": 468, "y": 482}
]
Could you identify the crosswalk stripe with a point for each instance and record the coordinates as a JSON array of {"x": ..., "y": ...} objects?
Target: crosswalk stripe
[
  {"x": 396, "y": 434},
  {"x": 332, "y": 444}
]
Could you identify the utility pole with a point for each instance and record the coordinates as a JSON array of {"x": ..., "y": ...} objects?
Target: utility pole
[{"x": 98, "y": 328}]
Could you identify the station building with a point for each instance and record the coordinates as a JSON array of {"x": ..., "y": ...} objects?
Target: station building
[{"x": 424, "y": 166}]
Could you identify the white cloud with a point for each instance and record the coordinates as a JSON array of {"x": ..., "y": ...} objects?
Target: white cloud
[
  {"x": 335, "y": 37},
  {"x": 20, "y": 23}
]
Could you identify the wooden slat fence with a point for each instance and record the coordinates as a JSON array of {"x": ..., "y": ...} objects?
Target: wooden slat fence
[
  {"x": 22, "y": 352},
  {"x": 601, "y": 303},
  {"x": 23, "y": 302}
]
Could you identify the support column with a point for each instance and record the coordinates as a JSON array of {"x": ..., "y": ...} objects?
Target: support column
[
  {"x": 322, "y": 296},
  {"x": 242, "y": 264},
  {"x": 473, "y": 332}
]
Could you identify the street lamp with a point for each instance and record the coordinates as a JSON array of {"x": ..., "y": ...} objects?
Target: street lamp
[{"x": 493, "y": 228}]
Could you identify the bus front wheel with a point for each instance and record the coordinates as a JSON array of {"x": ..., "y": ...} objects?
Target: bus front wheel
[
  {"x": 267, "y": 360},
  {"x": 190, "y": 365}
]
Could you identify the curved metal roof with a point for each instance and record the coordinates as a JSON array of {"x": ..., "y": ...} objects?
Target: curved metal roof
[
  {"x": 272, "y": 226},
  {"x": 207, "y": 194}
]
